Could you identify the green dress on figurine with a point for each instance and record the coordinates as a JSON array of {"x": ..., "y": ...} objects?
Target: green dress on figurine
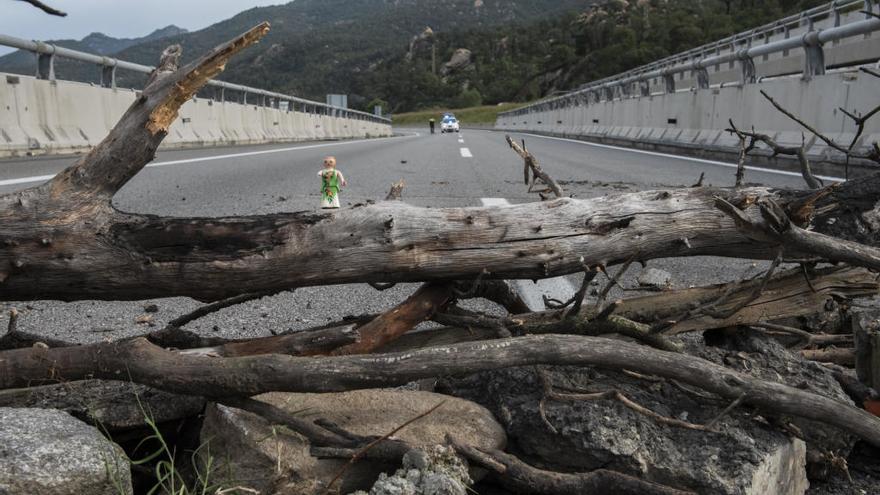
[{"x": 330, "y": 180}]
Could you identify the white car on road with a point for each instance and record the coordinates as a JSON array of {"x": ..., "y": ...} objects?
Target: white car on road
[{"x": 449, "y": 124}]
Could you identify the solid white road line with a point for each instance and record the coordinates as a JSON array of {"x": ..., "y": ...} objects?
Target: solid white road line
[
  {"x": 559, "y": 288},
  {"x": 685, "y": 158},
  {"x": 466, "y": 153},
  {"x": 25, "y": 180},
  {"x": 42, "y": 178}
]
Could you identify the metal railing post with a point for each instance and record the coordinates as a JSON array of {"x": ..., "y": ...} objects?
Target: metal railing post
[
  {"x": 669, "y": 82},
  {"x": 814, "y": 59},
  {"x": 609, "y": 93},
  {"x": 747, "y": 66},
  {"x": 108, "y": 76},
  {"x": 702, "y": 76},
  {"x": 46, "y": 66}
]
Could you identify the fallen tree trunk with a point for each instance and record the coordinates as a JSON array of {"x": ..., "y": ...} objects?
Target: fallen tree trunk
[
  {"x": 93, "y": 251},
  {"x": 141, "y": 362}
]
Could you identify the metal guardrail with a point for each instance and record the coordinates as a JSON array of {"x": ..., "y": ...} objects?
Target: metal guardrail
[
  {"x": 47, "y": 52},
  {"x": 741, "y": 50}
]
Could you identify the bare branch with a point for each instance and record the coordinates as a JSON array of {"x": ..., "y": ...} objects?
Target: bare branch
[
  {"x": 538, "y": 174},
  {"x": 45, "y": 8},
  {"x": 519, "y": 477},
  {"x": 359, "y": 454},
  {"x": 396, "y": 191},
  {"x": 141, "y": 362},
  {"x": 796, "y": 151}
]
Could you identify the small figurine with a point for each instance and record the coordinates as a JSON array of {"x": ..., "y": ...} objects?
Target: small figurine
[{"x": 331, "y": 182}]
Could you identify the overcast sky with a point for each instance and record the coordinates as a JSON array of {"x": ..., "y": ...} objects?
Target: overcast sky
[{"x": 117, "y": 18}]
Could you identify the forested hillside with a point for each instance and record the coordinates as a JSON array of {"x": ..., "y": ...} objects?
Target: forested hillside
[
  {"x": 524, "y": 61},
  {"x": 413, "y": 54}
]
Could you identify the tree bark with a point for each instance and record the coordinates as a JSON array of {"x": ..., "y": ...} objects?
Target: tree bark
[
  {"x": 57, "y": 247},
  {"x": 518, "y": 476},
  {"x": 141, "y": 362},
  {"x": 397, "y": 321}
]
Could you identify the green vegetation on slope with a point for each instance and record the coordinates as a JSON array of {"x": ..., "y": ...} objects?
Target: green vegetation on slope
[
  {"x": 476, "y": 52},
  {"x": 482, "y": 115},
  {"x": 525, "y": 61}
]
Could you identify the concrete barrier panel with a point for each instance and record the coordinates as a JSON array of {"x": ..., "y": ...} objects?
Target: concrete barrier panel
[
  {"x": 47, "y": 117},
  {"x": 697, "y": 119}
]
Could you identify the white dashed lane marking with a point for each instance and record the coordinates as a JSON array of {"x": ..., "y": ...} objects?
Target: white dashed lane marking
[{"x": 466, "y": 153}]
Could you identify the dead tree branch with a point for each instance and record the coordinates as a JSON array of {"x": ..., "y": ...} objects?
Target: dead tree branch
[
  {"x": 141, "y": 362},
  {"x": 797, "y": 151},
  {"x": 533, "y": 170},
  {"x": 848, "y": 151},
  {"x": 775, "y": 226},
  {"x": 518, "y": 476},
  {"x": 45, "y": 8},
  {"x": 360, "y": 453},
  {"x": 402, "y": 318}
]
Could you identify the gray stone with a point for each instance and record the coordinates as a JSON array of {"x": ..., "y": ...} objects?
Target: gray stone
[
  {"x": 432, "y": 471},
  {"x": 460, "y": 60},
  {"x": 746, "y": 454},
  {"x": 652, "y": 277},
  {"x": 49, "y": 452},
  {"x": 112, "y": 405},
  {"x": 256, "y": 452}
]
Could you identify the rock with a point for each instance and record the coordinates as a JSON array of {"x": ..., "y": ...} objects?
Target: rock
[
  {"x": 113, "y": 405},
  {"x": 432, "y": 471},
  {"x": 460, "y": 60},
  {"x": 151, "y": 308},
  {"x": 420, "y": 43},
  {"x": 253, "y": 451},
  {"x": 746, "y": 454},
  {"x": 755, "y": 353},
  {"x": 652, "y": 277},
  {"x": 49, "y": 452}
]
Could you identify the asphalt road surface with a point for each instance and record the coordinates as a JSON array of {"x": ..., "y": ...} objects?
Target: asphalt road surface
[{"x": 473, "y": 168}]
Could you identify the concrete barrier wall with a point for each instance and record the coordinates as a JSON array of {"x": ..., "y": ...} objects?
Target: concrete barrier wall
[
  {"x": 53, "y": 117},
  {"x": 695, "y": 120}
]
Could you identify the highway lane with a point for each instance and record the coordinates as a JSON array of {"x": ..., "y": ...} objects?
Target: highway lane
[{"x": 470, "y": 169}]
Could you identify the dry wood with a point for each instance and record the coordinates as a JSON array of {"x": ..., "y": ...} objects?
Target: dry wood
[
  {"x": 46, "y": 8},
  {"x": 841, "y": 355},
  {"x": 105, "y": 254},
  {"x": 800, "y": 152},
  {"x": 303, "y": 343},
  {"x": 402, "y": 318},
  {"x": 518, "y": 476},
  {"x": 139, "y": 361},
  {"x": 873, "y": 154},
  {"x": 533, "y": 170},
  {"x": 569, "y": 395},
  {"x": 362, "y": 452},
  {"x": 785, "y": 296}
]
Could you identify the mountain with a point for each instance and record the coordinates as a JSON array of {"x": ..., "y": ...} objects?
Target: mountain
[
  {"x": 317, "y": 47},
  {"x": 412, "y": 54},
  {"x": 98, "y": 43}
]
